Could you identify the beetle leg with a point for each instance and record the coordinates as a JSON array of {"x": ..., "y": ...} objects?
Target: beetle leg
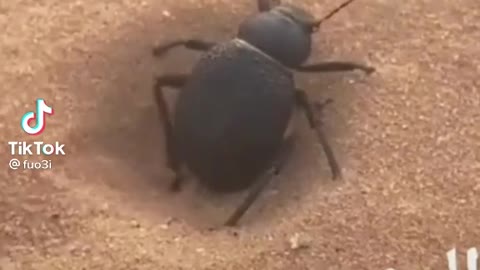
[
  {"x": 173, "y": 162},
  {"x": 315, "y": 123},
  {"x": 280, "y": 160},
  {"x": 335, "y": 66},
  {"x": 266, "y": 5},
  {"x": 192, "y": 44}
]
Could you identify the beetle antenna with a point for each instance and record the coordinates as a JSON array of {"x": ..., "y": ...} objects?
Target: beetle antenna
[{"x": 333, "y": 12}]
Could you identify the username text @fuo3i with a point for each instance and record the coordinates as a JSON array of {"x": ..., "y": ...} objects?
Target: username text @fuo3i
[{"x": 33, "y": 156}]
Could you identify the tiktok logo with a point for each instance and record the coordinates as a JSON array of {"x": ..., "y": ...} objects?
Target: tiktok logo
[{"x": 39, "y": 116}]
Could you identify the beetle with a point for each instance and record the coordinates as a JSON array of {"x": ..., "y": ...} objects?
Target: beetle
[{"x": 231, "y": 122}]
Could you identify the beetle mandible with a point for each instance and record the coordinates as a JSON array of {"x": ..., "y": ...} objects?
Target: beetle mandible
[{"x": 232, "y": 114}]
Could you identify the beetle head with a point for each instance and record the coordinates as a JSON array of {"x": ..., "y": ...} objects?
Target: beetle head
[{"x": 284, "y": 32}]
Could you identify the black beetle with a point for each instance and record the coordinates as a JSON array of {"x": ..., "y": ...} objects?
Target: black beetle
[{"x": 231, "y": 118}]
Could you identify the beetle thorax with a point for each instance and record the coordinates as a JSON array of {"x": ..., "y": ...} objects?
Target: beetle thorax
[{"x": 278, "y": 36}]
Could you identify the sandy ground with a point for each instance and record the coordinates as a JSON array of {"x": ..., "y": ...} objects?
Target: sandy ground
[{"x": 407, "y": 137}]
